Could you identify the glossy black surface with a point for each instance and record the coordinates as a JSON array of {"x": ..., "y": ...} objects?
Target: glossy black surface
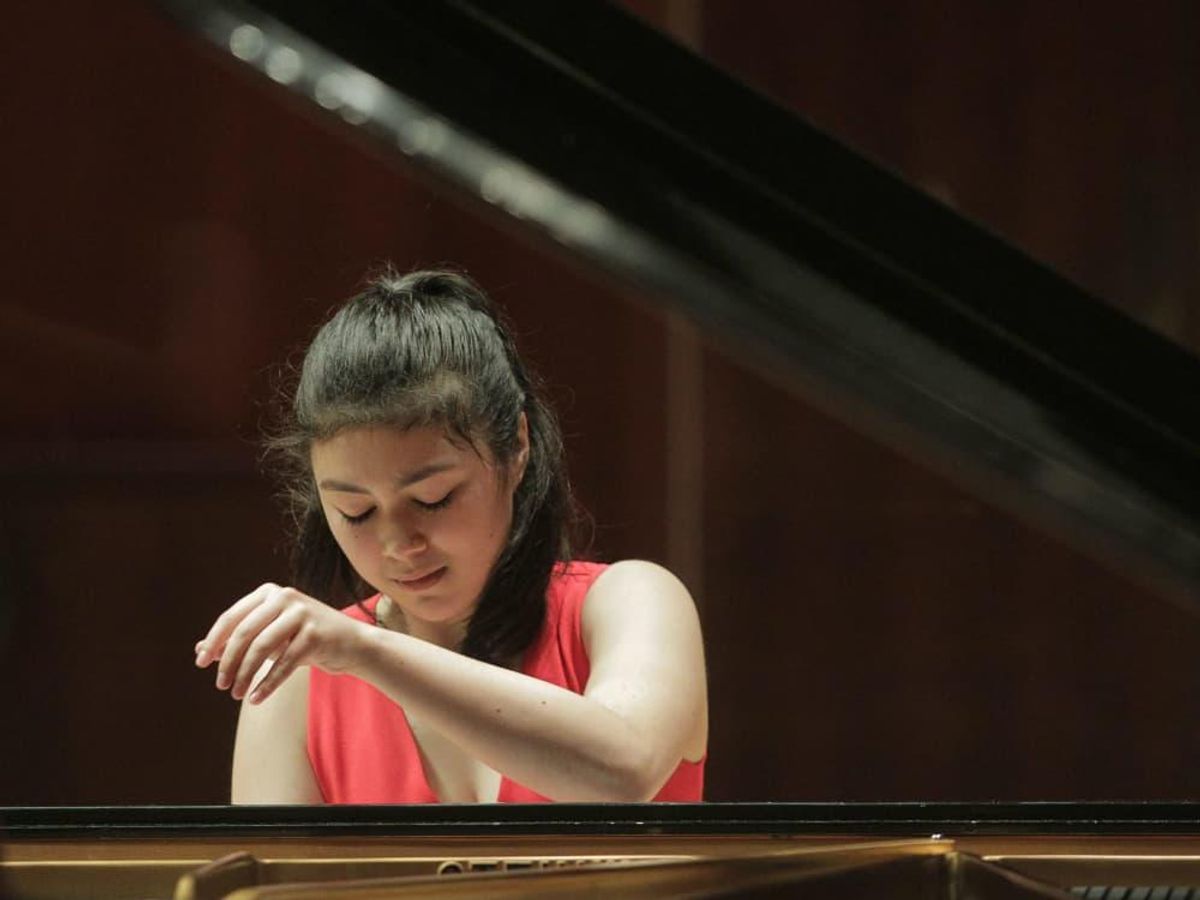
[
  {"x": 912, "y": 819},
  {"x": 874, "y": 298}
]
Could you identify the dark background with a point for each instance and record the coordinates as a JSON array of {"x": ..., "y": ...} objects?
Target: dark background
[{"x": 176, "y": 228}]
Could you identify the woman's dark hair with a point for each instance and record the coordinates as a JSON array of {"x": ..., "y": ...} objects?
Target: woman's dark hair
[{"x": 429, "y": 349}]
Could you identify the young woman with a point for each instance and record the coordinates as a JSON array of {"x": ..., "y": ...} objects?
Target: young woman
[{"x": 427, "y": 475}]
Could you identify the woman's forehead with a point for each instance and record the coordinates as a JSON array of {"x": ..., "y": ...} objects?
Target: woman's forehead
[{"x": 388, "y": 452}]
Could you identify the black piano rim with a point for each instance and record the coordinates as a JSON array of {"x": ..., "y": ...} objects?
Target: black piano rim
[{"x": 882, "y": 819}]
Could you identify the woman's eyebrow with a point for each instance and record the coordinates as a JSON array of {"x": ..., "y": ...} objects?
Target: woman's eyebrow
[
  {"x": 403, "y": 481},
  {"x": 424, "y": 472},
  {"x": 331, "y": 484}
]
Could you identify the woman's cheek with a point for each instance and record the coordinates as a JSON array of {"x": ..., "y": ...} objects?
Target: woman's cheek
[{"x": 355, "y": 544}]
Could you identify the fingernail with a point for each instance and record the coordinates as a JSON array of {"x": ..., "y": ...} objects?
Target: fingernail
[
  {"x": 222, "y": 681},
  {"x": 255, "y": 697},
  {"x": 202, "y": 658}
]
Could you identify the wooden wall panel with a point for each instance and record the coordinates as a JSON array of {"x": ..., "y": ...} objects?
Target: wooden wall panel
[
  {"x": 876, "y": 633},
  {"x": 110, "y": 575}
]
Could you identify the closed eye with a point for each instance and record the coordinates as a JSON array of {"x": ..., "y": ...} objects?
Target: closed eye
[
  {"x": 437, "y": 504},
  {"x": 359, "y": 519}
]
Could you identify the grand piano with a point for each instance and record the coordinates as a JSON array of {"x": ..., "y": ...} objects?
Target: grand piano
[
  {"x": 907, "y": 850},
  {"x": 841, "y": 282}
]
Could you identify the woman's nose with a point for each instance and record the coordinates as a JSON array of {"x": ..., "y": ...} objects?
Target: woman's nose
[{"x": 401, "y": 541}]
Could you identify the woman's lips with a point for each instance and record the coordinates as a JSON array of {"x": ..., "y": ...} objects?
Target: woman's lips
[{"x": 422, "y": 582}]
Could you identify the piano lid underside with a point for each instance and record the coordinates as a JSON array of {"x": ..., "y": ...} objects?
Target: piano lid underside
[{"x": 822, "y": 268}]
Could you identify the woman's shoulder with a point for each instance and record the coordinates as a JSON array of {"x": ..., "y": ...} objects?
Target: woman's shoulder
[
  {"x": 570, "y": 581},
  {"x": 584, "y": 577},
  {"x": 573, "y": 581},
  {"x": 590, "y": 569},
  {"x": 636, "y": 586},
  {"x": 584, "y": 594},
  {"x": 626, "y": 574}
]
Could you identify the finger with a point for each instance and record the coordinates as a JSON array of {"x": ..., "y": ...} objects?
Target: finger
[
  {"x": 204, "y": 656},
  {"x": 264, "y": 672},
  {"x": 259, "y": 676},
  {"x": 287, "y": 663},
  {"x": 243, "y": 636},
  {"x": 267, "y": 646},
  {"x": 211, "y": 646}
]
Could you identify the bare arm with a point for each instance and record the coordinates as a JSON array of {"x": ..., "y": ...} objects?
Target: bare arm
[
  {"x": 642, "y": 711},
  {"x": 270, "y": 753}
]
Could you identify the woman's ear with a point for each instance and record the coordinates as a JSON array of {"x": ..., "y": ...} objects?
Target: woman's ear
[{"x": 522, "y": 458}]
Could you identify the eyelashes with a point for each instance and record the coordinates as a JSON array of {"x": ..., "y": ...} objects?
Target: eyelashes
[
  {"x": 437, "y": 504},
  {"x": 424, "y": 507}
]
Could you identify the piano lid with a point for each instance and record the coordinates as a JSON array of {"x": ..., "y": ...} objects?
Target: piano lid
[{"x": 876, "y": 301}]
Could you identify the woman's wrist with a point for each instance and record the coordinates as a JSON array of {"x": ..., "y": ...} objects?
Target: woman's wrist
[{"x": 377, "y": 653}]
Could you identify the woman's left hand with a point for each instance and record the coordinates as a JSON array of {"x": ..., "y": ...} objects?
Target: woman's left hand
[{"x": 280, "y": 626}]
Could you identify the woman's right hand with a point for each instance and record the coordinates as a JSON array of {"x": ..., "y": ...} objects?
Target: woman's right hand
[{"x": 282, "y": 626}]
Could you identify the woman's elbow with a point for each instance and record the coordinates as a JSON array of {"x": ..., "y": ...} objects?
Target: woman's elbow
[{"x": 635, "y": 778}]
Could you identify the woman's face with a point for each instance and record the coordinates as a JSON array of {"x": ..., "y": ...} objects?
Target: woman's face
[{"x": 420, "y": 519}]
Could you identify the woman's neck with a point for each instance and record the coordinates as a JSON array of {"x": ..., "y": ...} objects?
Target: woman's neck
[{"x": 389, "y": 615}]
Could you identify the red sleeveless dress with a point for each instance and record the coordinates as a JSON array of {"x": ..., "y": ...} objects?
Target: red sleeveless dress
[{"x": 362, "y": 750}]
